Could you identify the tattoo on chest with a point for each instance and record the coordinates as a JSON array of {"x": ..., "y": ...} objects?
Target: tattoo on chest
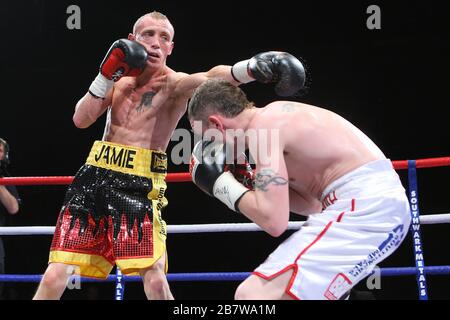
[
  {"x": 146, "y": 101},
  {"x": 267, "y": 177}
]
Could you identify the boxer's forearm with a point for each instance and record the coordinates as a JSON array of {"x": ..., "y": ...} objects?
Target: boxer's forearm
[
  {"x": 271, "y": 217},
  {"x": 88, "y": 109},
  {"x": 223, "y": 72},
  {"x": 186, "y": 85}
]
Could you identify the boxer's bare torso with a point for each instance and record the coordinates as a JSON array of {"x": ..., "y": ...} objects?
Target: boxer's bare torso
[
  {"x": 146, "y": 115},
  {"x": 318, "y": 147}
]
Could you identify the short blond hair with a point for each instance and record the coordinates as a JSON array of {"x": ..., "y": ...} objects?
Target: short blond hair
[{"x": 155, "y": 15}]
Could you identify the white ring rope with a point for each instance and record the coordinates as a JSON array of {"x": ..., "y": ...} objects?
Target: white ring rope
[{"x": 203, "y": 228}]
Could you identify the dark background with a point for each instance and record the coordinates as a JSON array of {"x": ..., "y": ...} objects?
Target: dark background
[{"x": 392, "y": 83}]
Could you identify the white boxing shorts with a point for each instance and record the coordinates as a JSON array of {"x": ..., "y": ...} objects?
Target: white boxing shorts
[{"x": 366, "y": 216}]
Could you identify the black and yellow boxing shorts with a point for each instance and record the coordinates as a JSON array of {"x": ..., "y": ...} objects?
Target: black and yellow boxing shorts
[{"x": 112, "y": 212}]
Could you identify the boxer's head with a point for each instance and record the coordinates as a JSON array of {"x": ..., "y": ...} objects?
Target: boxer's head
[
  {"x": 155, "y": 32},
  {"x": 214, "y": 103}
]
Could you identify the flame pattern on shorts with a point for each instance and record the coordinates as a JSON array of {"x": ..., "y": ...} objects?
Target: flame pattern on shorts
[{"x": 101, "y": 193}]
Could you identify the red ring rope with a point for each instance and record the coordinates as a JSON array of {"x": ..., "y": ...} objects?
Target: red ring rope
[
  {"x": 186, "y": 177},
  {"x": 423, "y": 163}
]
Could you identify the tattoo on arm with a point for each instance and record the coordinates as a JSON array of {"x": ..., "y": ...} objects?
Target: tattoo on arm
[
  {"x": 288, "y": 107},
  {"x": 146, "y": 100},
  {"x": 266, "y": 177}
]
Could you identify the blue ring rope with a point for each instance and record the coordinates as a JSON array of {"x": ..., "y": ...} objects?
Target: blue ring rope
[{"x": 221, "y": 276}]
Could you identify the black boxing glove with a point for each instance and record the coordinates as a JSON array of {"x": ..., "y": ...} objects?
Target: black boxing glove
[
  {"x": 277, "y": 67},
  {"x": 210, "y": 173},
  {"x": 124, "y": 58}
]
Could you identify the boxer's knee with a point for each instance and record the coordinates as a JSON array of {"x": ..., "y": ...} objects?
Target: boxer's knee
[
  {"x": 257, "y": 288},
  {"x": 248, "y": 290},
  {"x": 155, "y": 282},
  {"x": 56, "y": 276},
  {"x": 158, "y": 283}
]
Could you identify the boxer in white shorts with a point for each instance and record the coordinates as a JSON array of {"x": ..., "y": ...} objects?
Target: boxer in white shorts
[
  {"x": 321, "y": 166},
  {"x": 365, "y": 218}
]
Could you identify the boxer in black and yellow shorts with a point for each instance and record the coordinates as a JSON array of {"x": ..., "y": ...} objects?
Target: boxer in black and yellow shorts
[{"x": 112, "y": 212}]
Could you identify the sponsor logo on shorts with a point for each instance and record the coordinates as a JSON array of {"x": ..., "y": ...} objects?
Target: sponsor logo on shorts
[
  {"x": 163, "y": 230},
  {"x": 393, "y": 240},
  {"x": 160, "y": 198},
  {"x": 329, "y": 199},
  {"x": 338, "y": 287},
  {"x": 159, "y": 163},
  {"x": 120, "y": 157}
]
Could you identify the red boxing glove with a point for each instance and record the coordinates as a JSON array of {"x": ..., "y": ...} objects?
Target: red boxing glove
[
  {"x": 243, "y": 172},
  {"x": 124, "y": 58}
]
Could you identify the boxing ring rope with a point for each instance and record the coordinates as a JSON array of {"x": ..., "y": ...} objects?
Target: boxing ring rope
[
  {"x": 422, "y": 163},
  {"x": 186, "y": 177},
  {"x": 206, "y": 228},
  {"x": 65, "y": 180},
  {"x": 224, "y": 276},
  {"x": 420, "y": 270}
]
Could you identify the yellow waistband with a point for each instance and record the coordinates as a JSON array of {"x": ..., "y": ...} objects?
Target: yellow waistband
[{"x": 128, "y": 159}]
